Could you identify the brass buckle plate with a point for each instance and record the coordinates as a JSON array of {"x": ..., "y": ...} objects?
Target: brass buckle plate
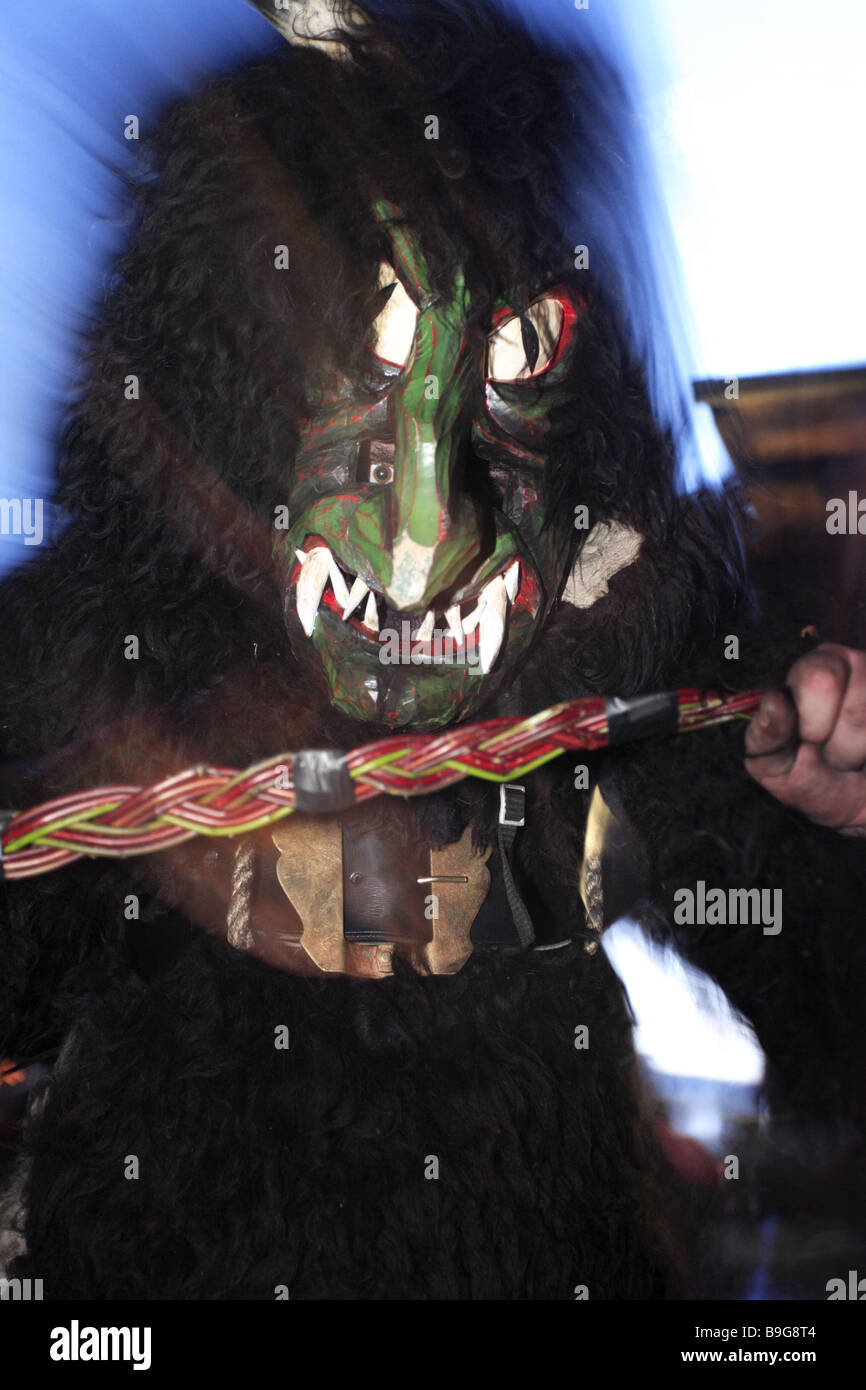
[{"x": 310, "y": 873}]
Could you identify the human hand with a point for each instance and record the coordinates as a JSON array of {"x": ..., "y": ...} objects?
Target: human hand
[{"x": 807, "y": 745}]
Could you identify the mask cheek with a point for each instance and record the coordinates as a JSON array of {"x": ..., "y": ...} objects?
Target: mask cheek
[
  {"x": 517, "y": 477},
  {"x": 520, "y": 416},
  {"x": 514, "y": 473}
]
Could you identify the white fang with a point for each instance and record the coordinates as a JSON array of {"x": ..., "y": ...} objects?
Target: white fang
[
  {"x": 492, "y": 625},
  {"x": 311, "y": 586},
  {"x": 455, "y": 627},
  {"x": 354, "y": 597},
  {"x": 471, "y": 621},
  {"x": 338, "y": 583}
]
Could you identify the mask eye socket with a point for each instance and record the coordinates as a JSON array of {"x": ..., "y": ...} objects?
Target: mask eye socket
[
  {"x": 393, "y": 330},
  {"x": 377, "y": 463},
  {"x": 524, "y": 345},
  {"x": 381, "y": 474}
]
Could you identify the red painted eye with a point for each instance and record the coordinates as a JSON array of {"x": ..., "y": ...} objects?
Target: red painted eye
[{"x": 524, "y": 345}]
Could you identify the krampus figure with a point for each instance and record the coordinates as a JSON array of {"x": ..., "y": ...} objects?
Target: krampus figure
[{"x": 366, "y": 448}]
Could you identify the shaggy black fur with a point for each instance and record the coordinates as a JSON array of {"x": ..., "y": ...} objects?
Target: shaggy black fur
[{"x": 305, "y": 1168}]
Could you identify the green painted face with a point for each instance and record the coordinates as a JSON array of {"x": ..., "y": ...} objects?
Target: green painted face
[{"x": 417, "y": 601}]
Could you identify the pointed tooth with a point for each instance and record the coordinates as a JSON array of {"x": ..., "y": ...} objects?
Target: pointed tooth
[
  {"x": 492, "y": 626},
  {"x": 354, "y": 596},
  {"x": 455, "y": 627},
  {"x": 470, "y": 622},
  {"x": 371, "y": 613},
  {"x": 302, "y": 555},
  {"x": 338, "y": 583},
  {"x": 425, "y": 631},
  {"x": 311, "y": 586},
  {"x": 512, "y": 580}
]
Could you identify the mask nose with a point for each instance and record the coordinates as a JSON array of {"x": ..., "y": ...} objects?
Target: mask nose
[{"x": 428, "y": 527}]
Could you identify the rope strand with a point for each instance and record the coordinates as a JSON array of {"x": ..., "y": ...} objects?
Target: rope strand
[{"x": 115, "y": 822}]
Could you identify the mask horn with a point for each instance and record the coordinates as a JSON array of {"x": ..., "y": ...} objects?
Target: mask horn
[{"x": 314, "y": 23}]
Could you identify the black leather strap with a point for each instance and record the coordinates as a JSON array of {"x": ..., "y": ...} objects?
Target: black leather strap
[{"x": 383, "y": 898}]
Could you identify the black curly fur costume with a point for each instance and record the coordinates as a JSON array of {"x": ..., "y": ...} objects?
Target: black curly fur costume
[{"x": 262, "y": 1168}]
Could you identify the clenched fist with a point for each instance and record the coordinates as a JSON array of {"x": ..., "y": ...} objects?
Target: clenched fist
[{"x": 807, "y": 745}]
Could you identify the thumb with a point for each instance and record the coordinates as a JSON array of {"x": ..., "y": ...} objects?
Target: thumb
[{"x": 771, "y": 736}]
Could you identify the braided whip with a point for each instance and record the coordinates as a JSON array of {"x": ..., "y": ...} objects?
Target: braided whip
[{"x": 115, "y": 822}]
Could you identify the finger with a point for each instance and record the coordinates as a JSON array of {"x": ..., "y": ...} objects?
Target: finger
[
  {"x": 827, "y": 796},
  {"x": 818, "y": 682},
  {"x": 846, "y": 747},
  {"x": 770, "y": 737}
]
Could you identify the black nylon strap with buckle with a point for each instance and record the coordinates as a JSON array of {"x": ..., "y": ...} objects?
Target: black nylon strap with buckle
[{"x": 512, "y": 815}]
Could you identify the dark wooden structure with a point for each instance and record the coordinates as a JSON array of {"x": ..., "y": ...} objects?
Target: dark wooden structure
[{"x": 798, "y": 441}]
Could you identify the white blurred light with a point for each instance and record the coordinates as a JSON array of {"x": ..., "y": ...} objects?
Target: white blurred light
[{"x": 685, "y": 1024}]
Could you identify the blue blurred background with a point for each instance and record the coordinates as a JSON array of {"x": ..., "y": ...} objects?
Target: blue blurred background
[{"x": 753, "y": 112}]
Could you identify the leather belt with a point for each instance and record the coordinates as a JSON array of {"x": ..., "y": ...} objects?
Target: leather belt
[{"x": 325, "y": 893}]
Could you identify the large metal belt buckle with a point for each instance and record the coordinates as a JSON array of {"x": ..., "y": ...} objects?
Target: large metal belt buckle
[{"x": 310, "y": 873}]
